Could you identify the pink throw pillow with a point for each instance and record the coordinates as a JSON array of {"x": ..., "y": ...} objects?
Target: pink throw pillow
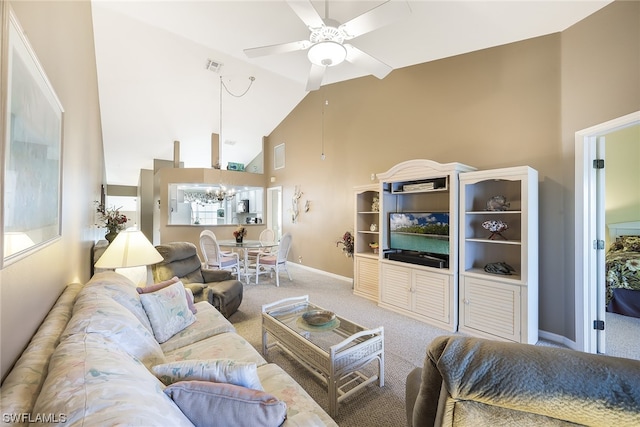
[{"x": 164, "y": 284}]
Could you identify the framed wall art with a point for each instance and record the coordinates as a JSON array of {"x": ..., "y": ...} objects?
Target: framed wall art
[
  {"x": 32, "y": 130},
  {"x": 278, "y": 156}
]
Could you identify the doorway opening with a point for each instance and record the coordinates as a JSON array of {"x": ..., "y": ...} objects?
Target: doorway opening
[
  {"x": 590, "y": 232},
  {"x": 274, "y": 211}
]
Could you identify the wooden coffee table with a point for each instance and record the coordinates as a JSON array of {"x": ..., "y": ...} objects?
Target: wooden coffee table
[{"x": 334, "y": 352}]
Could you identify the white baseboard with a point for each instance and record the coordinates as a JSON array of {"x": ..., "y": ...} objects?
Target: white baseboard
[
  {"x": 326, "y": 273},
  {"x": 558, "y": 339}
]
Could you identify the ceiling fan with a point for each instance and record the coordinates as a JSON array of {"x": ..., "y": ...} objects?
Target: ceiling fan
[{"x": 326, "y": 45}]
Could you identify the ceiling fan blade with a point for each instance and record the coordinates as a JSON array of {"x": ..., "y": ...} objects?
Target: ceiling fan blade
[
  {"x": 384, "y": 14},
  {"x": 277, "y": 48},
  {"x": 315, "y": 77},
  {"x": 367, "y": 62},
  {"x": 306, "y": 12}
]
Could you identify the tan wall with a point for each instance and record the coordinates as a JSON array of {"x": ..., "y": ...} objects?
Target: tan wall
[
  {"x": 62, "y": 36},
  {"x": 504, "y": 106},
  {"x": 488, "y": 109},
  {"x": 600, "y": 69}
]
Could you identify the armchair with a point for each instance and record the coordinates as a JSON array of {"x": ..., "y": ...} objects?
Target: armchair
[
  {"x": 474, "y": 381},
  {"x": 215, "y": 286}
]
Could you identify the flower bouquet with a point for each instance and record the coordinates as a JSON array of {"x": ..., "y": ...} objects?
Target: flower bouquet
[
  {"x": 347, "y": 243},
  {"x": 239, "y": 234},
  {"x": 112, "y": 220}
]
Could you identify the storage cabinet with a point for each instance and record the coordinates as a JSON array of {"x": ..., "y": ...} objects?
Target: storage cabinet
[
  {"x": 366, "y": 277},
  {"x": 418, "y": 292},
  {"x": 419, "y": 240},
  {"x": 499, "y": 228},
  {"x": 366, "y": 234}
]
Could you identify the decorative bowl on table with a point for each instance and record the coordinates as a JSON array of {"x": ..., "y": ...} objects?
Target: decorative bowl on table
[{"x": 318, "y": 317}]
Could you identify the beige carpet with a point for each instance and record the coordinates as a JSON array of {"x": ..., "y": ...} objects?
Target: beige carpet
[{"x": 406, "y": 341}]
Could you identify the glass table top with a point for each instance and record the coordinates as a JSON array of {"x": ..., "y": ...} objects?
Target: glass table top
[{"x": 324, "y": 336}]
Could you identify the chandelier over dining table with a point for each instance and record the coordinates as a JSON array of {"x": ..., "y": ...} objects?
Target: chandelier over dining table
[{"x": 210, "y": 196}]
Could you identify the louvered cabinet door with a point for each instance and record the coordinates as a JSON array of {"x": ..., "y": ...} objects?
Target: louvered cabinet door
[
  {"x": 366, "y": 278},
  {"x": 431, "y": 295},
  {"x": 490, "y": 309}
]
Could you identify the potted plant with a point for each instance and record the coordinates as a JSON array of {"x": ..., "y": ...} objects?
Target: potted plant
[
  {"x": 239, "y": 234},
  {"x": 112, "y": 220},
  {"x": 347, "y": 243}
]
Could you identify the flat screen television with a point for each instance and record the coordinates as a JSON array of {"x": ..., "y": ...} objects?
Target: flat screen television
[{"x": 421, "y": 232}]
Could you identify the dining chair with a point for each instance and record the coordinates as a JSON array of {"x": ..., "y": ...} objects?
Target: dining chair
[
  {"x": 213, "y": 236},
  {"x": 214, "y": 258},
  {"x": 267, "y": 238},
  {"x": 275, "y": 261}
]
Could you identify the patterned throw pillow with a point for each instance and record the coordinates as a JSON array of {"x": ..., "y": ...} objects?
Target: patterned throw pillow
[
  {"x": 214, "y": 404},
  {"x": 164, "y": 284},
  {"x": 244, "y": 374},
  {"x": 167, "y": 311}
]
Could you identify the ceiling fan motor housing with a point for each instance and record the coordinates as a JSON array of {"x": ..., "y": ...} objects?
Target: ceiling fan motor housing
[{"x": 327, "y": 49}]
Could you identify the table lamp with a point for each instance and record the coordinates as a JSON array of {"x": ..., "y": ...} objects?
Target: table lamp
[{"x": 130, "y": 248}]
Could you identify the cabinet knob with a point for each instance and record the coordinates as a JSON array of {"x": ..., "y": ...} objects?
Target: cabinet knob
[{"x": 467, "y": 302}]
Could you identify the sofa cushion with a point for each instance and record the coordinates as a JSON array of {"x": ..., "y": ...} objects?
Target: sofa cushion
[
  {"x": 93, "y": 382},
  {"x": 103, "y": 316},
  {"x": 217, "y": 370},
  {"x": 119, "y": 288},
  {"x": 167, "y": 311},
  {"x": 215, "y": 404},
  {"x": 300, "y": 405},
  {"x": 23, "y": 383},
  {"x": 164, "y": 284},
  {"x": 227, "y": 345},
  {"x": 209, "y": 322}
]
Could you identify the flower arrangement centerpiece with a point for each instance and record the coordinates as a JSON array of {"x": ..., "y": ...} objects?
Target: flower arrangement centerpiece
[
  {"x": 347, "y": 243},
  {"x": 112, "y": 220},
  {"x": 239, "y": 234}
]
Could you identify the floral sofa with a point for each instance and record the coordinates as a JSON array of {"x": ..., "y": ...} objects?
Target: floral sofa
[{"x": 95, "y": 360}]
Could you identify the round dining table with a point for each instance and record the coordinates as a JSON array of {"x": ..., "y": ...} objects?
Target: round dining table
[{"x": 245, "y": 246}]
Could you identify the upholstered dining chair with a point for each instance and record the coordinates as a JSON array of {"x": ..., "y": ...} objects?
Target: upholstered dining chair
[
  {"x": 267, "y": 238},
  {"x": 274, "y": 262},
  {"x": 213, "y": 236},
  {"x": 214, "y": 258}
]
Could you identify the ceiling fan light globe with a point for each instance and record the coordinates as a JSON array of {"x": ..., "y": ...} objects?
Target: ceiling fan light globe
[{"x": 327, "y": 53}]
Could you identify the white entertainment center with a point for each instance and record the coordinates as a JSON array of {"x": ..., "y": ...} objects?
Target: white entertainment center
[{"x": 436, "y": 258}]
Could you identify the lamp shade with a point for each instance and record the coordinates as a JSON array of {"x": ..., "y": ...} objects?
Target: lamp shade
[
  {"x": 327, "y": 53},
  {"x": 129, "y": 249}
]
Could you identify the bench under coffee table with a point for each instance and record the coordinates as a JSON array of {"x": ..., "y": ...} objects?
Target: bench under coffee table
[{"x": 331, "y": 347}]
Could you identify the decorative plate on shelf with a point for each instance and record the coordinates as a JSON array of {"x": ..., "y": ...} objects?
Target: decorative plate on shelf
[{"x": 318, "y": 317}]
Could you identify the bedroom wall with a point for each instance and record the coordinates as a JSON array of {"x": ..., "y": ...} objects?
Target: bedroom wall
[
  {"x": 517, "y": 104},
  {"x": 622, "y": 176},
  {"x": 62, "y": 36}
]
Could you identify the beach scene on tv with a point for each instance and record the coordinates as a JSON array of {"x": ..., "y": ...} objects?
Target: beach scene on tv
[{"x": 426, "y": 232}]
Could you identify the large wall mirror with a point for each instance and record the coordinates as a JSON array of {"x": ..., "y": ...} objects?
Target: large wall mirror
[{"x": 206, "y": 204}]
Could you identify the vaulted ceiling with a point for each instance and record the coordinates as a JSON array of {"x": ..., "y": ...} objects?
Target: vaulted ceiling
[{"x": 155, "y": 87}]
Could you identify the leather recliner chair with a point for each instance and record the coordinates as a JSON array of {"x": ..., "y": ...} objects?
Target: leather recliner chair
[{"x": 218, "y": 287}]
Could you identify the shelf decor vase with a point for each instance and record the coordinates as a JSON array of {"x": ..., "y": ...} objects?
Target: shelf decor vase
[
  {"x": 239, "y": 239},
  {"x": 111, "y": 235}
]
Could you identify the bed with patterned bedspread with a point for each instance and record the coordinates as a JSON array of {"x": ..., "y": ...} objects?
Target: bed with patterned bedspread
[{"x": 623, "y": 276}]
